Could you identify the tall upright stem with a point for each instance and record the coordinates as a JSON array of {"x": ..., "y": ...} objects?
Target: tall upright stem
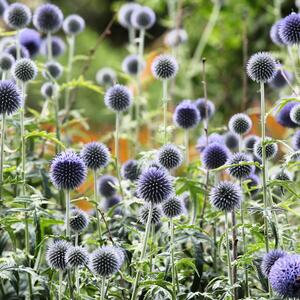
[
  {"x": 234, "y": 253},
  {"x": 172, "y": 257},
  {"x": 165, "y": 108},
  {"x": 68, "y": 200},
  {"x": 71, "y": 42},
  {"x": 60, "y": 285},
  {"x": 187, "y": 146},
  {"x": 228, "y": 250},
  {"x": 57, "y": 122},
  {"x": 49, "y": 47},
  {"x": 96, "y": 201},
  {"x": 18, "y": 46},
  {"x": 117, "y": 152},
  {"x": 2, "y": 155},
  {"x": 103, "y": 288}
]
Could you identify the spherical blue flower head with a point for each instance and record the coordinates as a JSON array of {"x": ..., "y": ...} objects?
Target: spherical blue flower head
[
  {"x": 214, "y": 156},
  {"x": 274, "y": 34},
  {"x": 56, "y": 254},
  {"x": 48, "y": 18},
  {"x": 6, "y": 61},
  {"x": 249, "y": 142},
  {"x": 283, "y": 116},
  {"x": 173, "y": 207},
  {"x": 125, "y": 12},
  {"x": 284, "y": 276},
  {"x": 73, "y": 24},
  {"x": 10, "y": 98},
  {"x": 31, "y": 40},
  {"x": 12, "y": 50},
  {"x": 25, "y": 70},
  {"x": 169, "y": 156},
  {"x": 110, "y": 202},
  {"x": 79, "y": 220},
  {"x": 252, "y": 184},
  {"x": 155, "y": 185},
  {"x": 3, "y": 6},
  {"x": 289, "y": 29},
  {"x": 269, "y": 260},
  {"x": 212, "y": 138},
  {"x": 156, "y": 214},
  {"x": 52, "y": 70},
  {"x": 142, "y": 17},
  {"x": 231, "y": 140},
  {"x": 17, "y": 16},
  {"x": 106, "y": 77},
  {"x": 49, "y": 90},
  {"x": 107, "y": 185},
  {"x": 68, "y": 170},
  {"x": 271, "y": 149},
  {"x": 240, "y": 124},
  {"x": 283, "y": 175},
  {"x": 133, "y": 65},
  {"x": 118, "y": 98},
  {"x": 261, "y": 67},
  {"x": 296, "y": 140},
  {"x": 208, "y": 109},
  {"x": 186, "y": 115},
  {"x": 226, "y": 196},
  {"x": 175, "y": 37},
  {"x": 164, "y": 67},
  {"x": 295, "y": 114},
  {"x": 240, "y": 171},
  {"x": 131, "y": 170},
  {"x": 279, "y": 81},
  {"x": 77, "y": 256},
  {"x": 57, "y": 45},
  {"x": 95, "y": 155}
]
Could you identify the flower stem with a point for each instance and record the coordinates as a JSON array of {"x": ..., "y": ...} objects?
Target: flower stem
[
  {"x": 96, "y": 201},
  {"x": 234, "y": 253},
  {"x": 77, "y": 282},
  {"x": 103, "y": 288},
  {"x": 228, "y": 250},
  {"x": 2, "y": 155},
  {"x": 71, "y": 42},
  {"x": 68, "y": 200},
  {"x": 172, "y": 257},
  {"x": 60, "y": 285},
  {"x": 117, "y": 152},
  {"x": 165, "y": 109},
  {"x": 187, "y": 147},
  {"x": 49, "y": 46},
  {"x": 57, "y": 123},
  {"x": 18, "y": 46}
]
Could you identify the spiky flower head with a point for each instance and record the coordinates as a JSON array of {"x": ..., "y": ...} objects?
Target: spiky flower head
[
  {"x": 3, "y": 6},
  {"x": 67, "y": 170},
  {"x": 110, "y": 202},
  {"x": 77, "y": 256},
  {"x": 231, "y": 140},
  {"x": 186, "y": 115},
  {"x": 6, "y": 61},
  {"x": 281, "y": 78},
  {"x": 240, "y": 124},
  {"x": 25, "y": 70},
  {"x": 133, "y": 65},
  {"x": 56, "y": 254},
  {"x": 131, "y": 170},
  {"x": 107, "y": 185},
  {"x": 49, "y": 90},
  {"x": 205, "y": 107},
  {"x": 296, "y": 140},
  {"x": 53, "y": 70},
  {"x": 289, "y": 29},
  {"x": 214, "y": 156},
  {"x": 156, "y": 214},
  {"x": 95, "y": 155},
  {"x": 240, "y": 171},
  {"x": 261, "y": 67},
  {"x": 31, "y": 40},
  {"x": 48, "y": 18},
  {"x": 226, "y": 196},
  {"x": 295, "y": 114},
  {"x": 283, "y": 117},
  {"x": 12, "y": 50},
  {"x": 271, "y": 149},
  {"x": 169, "y": 156},
  {"x": 155, "y": 185},
  {"x": 73, "y": 24},
  {"x": 176, "y": 37},
  {"x": 10, "y": 98},
  {"x": 17, "y": 16},
  {"x": 106, "y": 77},
  {"x": 142, "y": 18},
  {"x": 269, "y": 260},
  {"x": 249, "y": 142},
  {"x": 125, "y": 12},
  {"x": 164, "y": 67},
  {"x": 79, "y": 220},
  {"x": 212, "y": 138},
  {"x": 274, "y": 34},
  {"x": 284, "y": 276},
  {"x": 173, "y": 207},
  {"x": 58, "y": 46},
  {"x": 118, "y": 98},
  {"x": 252, "y": 184},
  {"x": 283, "y": 175}
]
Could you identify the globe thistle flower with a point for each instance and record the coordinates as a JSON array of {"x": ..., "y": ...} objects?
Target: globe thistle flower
[
  {"x": 240, "y": 124},
  {"x": 214, "y": 156},
  {"x": 110, "y": 202},
  {"x": 12, "y": 50},
  {"x": 48, "y": 18},
  {"x": 17, "y": 16},
  {"x": 156, "y": 214},
  {"x": 49, "y": 90},
  {"x": 118, "y": 98},
  {"x": 283, "y": 116},
  {"x": 186, "y": 115},
  {"x": 3, "y": 6},
  {"x": 289, "y": 29},
  {"x": 73, "y": 24},
  {"x": 142, "y": 18},
  {"x": 95, "y": 155},
  {"x": 164, "y": 67},
  {"x": 284, "y": 276},
  {"x": 269, "y": 260},
  {"x": 295, "y": 114},
  {"x": 53, "y": 70},
  {"x": 280, "y": 78},
  {"x": 10, "y": 98},
  {"x": 131, "y": 170},
  {"x": 107, "y": 186},
  {"x": 231, "y": 140},
  {"x": 283, "y": 175},
  {"x": 6, "y": 61},
  {"x": 226, "y": 196},
  {"x": 249, "y": 142},
  {"x": 240, "y": 171},
  {"x": 154, "y": 164},
  {"x": 132, "y": 65},
  {"x": 154, "y": 185},
  {"x": 296, "y": 140},
  {"x": 77, "y": 256},
  {"x": 58, "y": 46},
  {"x": 56, "y": 254},
  {"x": 212, "y": 138},
  {"x": 125, "y": 12},
  {"x": 271, "y": 149},
  {"x": 79, "y": 220},
  {"x": 175, "y": 37},
  {"x": 209, "y": 108},
  {"x": 67, "y": 170},
  {"x": 274, "y": 34},
  {"x": 25, "y": 70},
  {"x": 31, "y": 40},
  {"x": 173, "y": 207},
  {"x": 261, "y": 67},
  {"x": 169, "y": 156},
  {"x": 106, "y": 77},
  {"x": 252, "y": 184}
]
